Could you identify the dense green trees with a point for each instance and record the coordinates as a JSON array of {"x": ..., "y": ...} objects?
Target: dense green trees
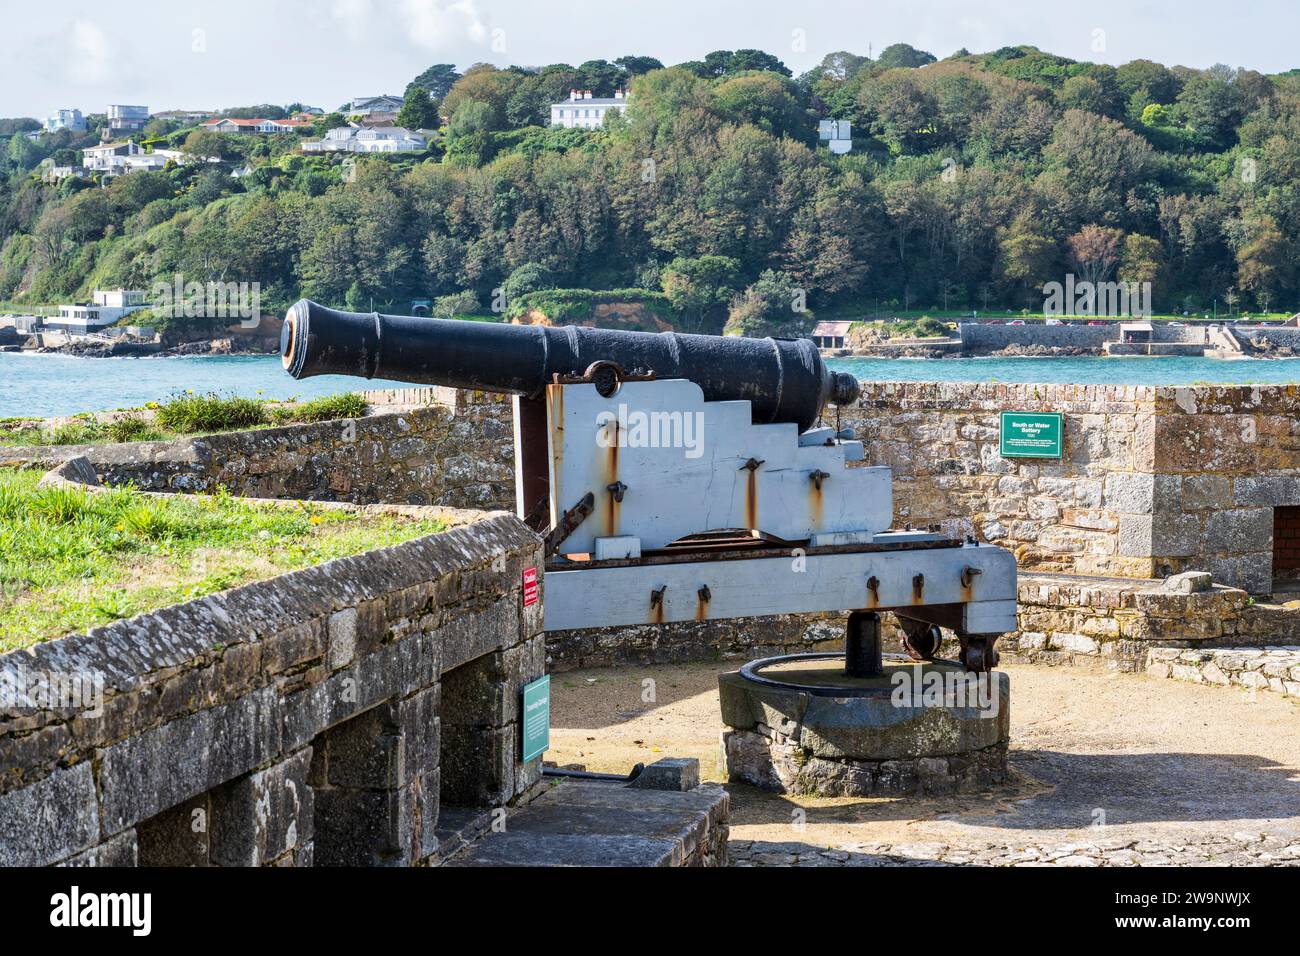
[{"x": 972, "y": 182}]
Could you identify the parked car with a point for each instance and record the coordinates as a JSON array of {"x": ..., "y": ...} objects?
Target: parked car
[
  {"x": 1052, "y": 322},
  {"x": 1095, "y": 322},
  {"x": 1016, "y": 322}
]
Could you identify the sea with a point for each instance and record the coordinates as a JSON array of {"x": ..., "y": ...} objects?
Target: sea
[{"x": 43, "y": 385}]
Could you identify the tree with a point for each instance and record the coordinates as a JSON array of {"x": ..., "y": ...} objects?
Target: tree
[
  {"x": 698, "y": 288},
  {"x": 418, "y": 110},
  {"x": 900, "y": 112},
  {"x": 903, "y": 55},
  {"x": 763, "y": 100},
  {"x": 1095, "y": 251},
  {"x": 205, "y": 145},
  {"x": 1266, "y": 262},
  {"x": 636, "y": 65},
  {"x": 773, "y": 305},
  {"x": 437, "y": 80},
  {"x": 1142, "y": 259},
  {"x": 529, "y": 277}
]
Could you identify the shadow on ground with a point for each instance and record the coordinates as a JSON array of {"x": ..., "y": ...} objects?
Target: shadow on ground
[{"x": 1068, "y": 791}]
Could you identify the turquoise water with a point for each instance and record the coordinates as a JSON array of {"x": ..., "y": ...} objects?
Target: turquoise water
[
  {"x": 42, "y": 385},
  {"x": 1165, "y": 370},
  {"x": 51, "y": 384}
]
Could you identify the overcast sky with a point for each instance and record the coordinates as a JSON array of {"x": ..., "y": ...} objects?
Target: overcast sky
[{"x": 208, "y": 54}]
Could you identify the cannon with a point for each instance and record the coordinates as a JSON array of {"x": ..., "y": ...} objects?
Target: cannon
[
  {"x": 686, "y": 478},
  {"x": 784, "y": 380}
]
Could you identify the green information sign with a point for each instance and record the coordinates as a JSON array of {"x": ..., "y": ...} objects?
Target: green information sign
[
  {"x": 1031, "y": 435},
  {"x": 537, "y": 717}
]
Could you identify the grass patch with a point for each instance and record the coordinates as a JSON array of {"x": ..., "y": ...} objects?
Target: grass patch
[
  {"x": 183, "y": 415},
  {"x": 72, "y": 560},
  {"x": 323, "y": 409},
  {"x": 188, "y": 414}
]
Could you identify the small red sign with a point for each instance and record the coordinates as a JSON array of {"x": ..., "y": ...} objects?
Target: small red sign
[{"x": 530, "y": 586}]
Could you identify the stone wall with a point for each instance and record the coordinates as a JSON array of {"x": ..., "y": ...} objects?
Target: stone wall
[
  {"x": 1274, "y": 669},
  {"x": 319, "y": 717},
  {"x": 455, "y": 451},
  {"x": 976, "y": 337},
  {"x": 1153, "y": 481}
]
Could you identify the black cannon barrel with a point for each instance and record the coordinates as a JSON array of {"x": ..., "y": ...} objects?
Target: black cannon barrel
[{"x": 785, "y": 380}]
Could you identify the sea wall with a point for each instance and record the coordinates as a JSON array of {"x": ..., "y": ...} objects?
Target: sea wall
[
  {"x": 321, "y": 717},
  {"x": 978, "y": 338}
]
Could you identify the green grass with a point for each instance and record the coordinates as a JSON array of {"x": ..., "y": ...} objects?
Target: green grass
[
  {"x": 189, "y": 414},
  {"x": 184, "y": 414},
  {"x": 72, "y": 560},
  {"x": 323, "y": 409}
]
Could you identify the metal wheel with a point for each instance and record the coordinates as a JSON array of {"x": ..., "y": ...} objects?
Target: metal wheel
[{"x": 920, "y": 640}]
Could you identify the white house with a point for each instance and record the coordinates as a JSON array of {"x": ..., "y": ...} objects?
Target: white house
[
  {"x": 374, "y": 104},
  {"x": 114, "y": 159},
  {"x": 65, "y": 119},
  {"x": 106, "y": 308},
  {"x": 584, "y": 111},
  {"x": 360, "y": 139},
  {"x": 230, "y": 124},
  {"x": 105, "y": 158}
]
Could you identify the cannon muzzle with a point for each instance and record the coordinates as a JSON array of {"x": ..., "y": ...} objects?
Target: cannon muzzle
[{"x": 785, "y": 380}]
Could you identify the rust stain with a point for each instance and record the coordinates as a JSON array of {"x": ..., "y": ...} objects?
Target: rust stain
[
  {"x": 612, "y": 507},
  {"x": 816, "y": 501},
  {"x": 555, "y": 398},
  {"x": 658, "y": 599},
  {"x": 873, "y": 592},
  {"x": 751, "y": 500},
  {"x": 701, "y": 607}
]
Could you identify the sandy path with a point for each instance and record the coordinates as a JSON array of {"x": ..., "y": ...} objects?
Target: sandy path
[{"x": 1158, "y": 762}]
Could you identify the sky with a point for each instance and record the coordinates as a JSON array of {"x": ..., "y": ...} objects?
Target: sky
[{"x": 212, "y": 54}]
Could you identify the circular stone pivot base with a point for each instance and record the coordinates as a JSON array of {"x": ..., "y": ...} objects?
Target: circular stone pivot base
[{"x": 916, "y": 729}]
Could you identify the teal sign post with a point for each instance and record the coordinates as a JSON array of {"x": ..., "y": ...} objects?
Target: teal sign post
[
  {"x": 537, "y": 717},
  {"x": 1031, "y": 435}
]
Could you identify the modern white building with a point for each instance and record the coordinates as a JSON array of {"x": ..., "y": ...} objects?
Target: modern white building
[
  {"x": 360, "y": 139},
  {"x": 126, "y": 119},
  {"x": 585, "y": 111},
  {"x": 106, "y": 307},
  {"x": 837, "y": 135},
  {"x": 65, "y": 119}
]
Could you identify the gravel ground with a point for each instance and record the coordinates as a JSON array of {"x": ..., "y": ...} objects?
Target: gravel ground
[{"x": 1111, "y": 770}]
